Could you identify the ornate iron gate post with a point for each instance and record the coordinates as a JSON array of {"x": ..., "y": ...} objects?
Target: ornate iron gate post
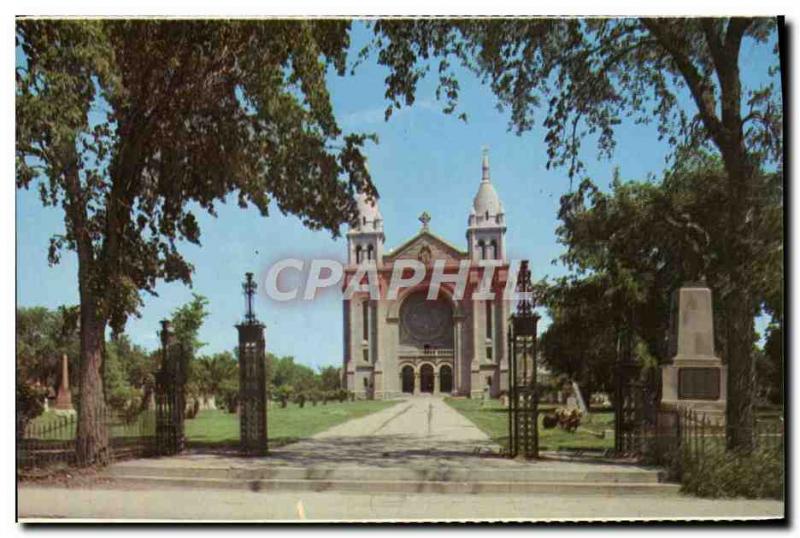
[
  {"x": 628, "y": 400},
  {"x": 252, "y": 378},
  {"x": 170, "y": 395},
  {"x": 523, "y": 402}
]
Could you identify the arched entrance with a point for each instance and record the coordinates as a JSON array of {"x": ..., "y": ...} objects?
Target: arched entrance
[
  {"x": 426, "y": 378},
  {"x": 408, "y": 379},
  {"x": 445, "y": 379}
]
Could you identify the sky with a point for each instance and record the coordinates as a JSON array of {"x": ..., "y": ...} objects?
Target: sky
[{"x": 424, "y": 161}]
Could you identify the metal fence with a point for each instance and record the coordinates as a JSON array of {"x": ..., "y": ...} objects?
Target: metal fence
[
  {"x": 50, "y": 440},
  {"x": 703, "y": 439}
]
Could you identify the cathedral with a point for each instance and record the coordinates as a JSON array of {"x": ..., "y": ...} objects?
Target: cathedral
[{"x": 411, "y": 344}]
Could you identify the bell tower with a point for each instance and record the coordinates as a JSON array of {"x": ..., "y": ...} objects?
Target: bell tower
[
  {"x": 365, "y": 239},
  {"x": 486, "y": 227}
]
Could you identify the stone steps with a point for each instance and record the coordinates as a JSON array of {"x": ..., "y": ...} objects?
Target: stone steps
[{"x": 397, "y": 480}]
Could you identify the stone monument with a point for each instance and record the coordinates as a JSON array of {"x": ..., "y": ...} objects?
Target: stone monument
[
  {"x": 696, "y": 379},
  {"x": 64, "y": 396}
]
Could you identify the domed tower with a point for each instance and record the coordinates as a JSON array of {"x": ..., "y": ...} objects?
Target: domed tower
[
  {"x": 487, "y": 224},
  {"x": 365, "y": 239}
]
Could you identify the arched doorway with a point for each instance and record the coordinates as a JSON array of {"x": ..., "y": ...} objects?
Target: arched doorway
[
  {"x": 408, "y": 379},
  {"x": 426, "y": 378},
  {"x": 445, "y": 379}
]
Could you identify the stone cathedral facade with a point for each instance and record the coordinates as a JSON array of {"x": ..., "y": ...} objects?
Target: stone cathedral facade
[{"x": 411, "y": 344}]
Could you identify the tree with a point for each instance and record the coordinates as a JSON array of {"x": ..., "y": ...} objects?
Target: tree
[
  {"x": 330, "y": 378},
  {"x": 217, "y": 375},
  {"x": 128, "y": 376},
  {"x": 43, "y": 336},
  {"x": 589, "y": 74},
  {"x": 634, "y": 245},
  {"x": 132, "y": 126}
]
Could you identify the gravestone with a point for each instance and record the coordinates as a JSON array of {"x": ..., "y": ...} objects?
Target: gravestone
[
  {"x": 63, "y": 403},
  {"x": 696, "y": 379}
]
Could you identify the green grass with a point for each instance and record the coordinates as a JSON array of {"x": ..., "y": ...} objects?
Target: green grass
[
  {"x": 211, "y": 428},
  {"x": 492, "y": 418},
  {"x": 53, "y": 427},
  {"x": 284, "y": 425}
]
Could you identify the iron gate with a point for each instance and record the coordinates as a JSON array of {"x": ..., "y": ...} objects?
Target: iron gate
[
  {"x": 170, "y": 395},
  {"x": 636, "y": 401}
]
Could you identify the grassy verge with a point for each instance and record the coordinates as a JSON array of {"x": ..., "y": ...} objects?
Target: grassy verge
[
  {"x": 595, "y": 431},
  {"x": 285, "y": 425}
]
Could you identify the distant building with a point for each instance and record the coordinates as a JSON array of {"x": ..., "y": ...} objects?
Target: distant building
[{"x": 412, "y": 345}]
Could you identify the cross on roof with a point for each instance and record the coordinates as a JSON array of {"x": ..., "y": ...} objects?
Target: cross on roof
[{"x": 425, "y": 218}]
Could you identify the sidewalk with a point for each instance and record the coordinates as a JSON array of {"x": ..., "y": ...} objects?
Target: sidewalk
[{"x": 215, "y": 505}]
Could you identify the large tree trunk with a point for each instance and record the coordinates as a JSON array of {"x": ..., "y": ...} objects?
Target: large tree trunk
[
  {"x": 739, "y": 305},
  {"x": 92, "y": 438},
  {"x": 91, "y": 443},
  {"x": 738, "y": 327}
]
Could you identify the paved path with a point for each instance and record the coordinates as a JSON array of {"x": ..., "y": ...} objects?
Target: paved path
[
  {"x": 216, "y": 505},
  {"x": 422, "y": 429}
]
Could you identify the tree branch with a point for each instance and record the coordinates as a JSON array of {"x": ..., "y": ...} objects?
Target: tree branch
[{"x": 698, "y": 88}]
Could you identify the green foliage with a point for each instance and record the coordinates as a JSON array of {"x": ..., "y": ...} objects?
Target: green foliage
[
  {"x": 580, "y": 78},
  {"x": 29, "y": 402},
  {"x": 632, "y": 247},
  {"x": 217, "y": 375},
  {"x": 729, "y": 474},
  {"x": 186, "y": 323},
  {"x": 128, "y": 376},
  {"x": 283, "y": 394},
  {"x": 330, "y": 378},
  {"x": 43, "y": 336},
  {"x": 187, "y": 320},
  {"x": 236, "y": 107},
  {"x": 230, "y": 110}
]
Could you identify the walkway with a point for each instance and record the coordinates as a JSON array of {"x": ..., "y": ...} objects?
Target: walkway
[{"x": 421, "y": 429}]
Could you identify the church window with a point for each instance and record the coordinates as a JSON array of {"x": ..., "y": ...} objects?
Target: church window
[
  {"x": 365, "y": 354},
  {"x": 365, "y": 319},
  {"x": 493, "y": 251},
  {"x": 370, "y": 252},
  {"x": 482, "y": 246},
  {"x": 489, "y": 353},
  {"x": 358, "y": 254},
  {"x": 488, "y": 320}
]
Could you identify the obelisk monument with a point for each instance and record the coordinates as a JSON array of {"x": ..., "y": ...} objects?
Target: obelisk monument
[{"x": 64, "y": 396}]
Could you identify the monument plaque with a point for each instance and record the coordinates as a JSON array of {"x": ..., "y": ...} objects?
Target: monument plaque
[
  {"x": 696, "y": 379},
  {"x": 698, "y": 384}
]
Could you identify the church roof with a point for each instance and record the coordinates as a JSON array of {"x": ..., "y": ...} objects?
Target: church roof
[{"x": 422, "y": 235}]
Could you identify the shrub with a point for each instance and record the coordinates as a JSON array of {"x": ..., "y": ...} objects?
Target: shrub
[
  {"x": 728, "y": 474},
  {"x": 283, "y": 394},
  {"x": 30, "y": 403}
]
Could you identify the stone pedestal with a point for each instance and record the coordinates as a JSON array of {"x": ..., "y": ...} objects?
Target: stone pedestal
[
  {"x": 64, "y": 397},
  {"x": 696, "y": 379}
]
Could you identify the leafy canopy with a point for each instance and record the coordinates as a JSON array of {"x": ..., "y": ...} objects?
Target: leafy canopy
[{"x": 135, "y": 126}]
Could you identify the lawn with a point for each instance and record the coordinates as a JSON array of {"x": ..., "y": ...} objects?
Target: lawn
[
  {"x": 211, "y": 428},
  {"x": 595, "y": 431},
  {"x": 285, "y": 425}
]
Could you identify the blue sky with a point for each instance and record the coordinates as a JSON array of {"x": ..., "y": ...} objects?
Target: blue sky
[{"x": 424, "y": 161}]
